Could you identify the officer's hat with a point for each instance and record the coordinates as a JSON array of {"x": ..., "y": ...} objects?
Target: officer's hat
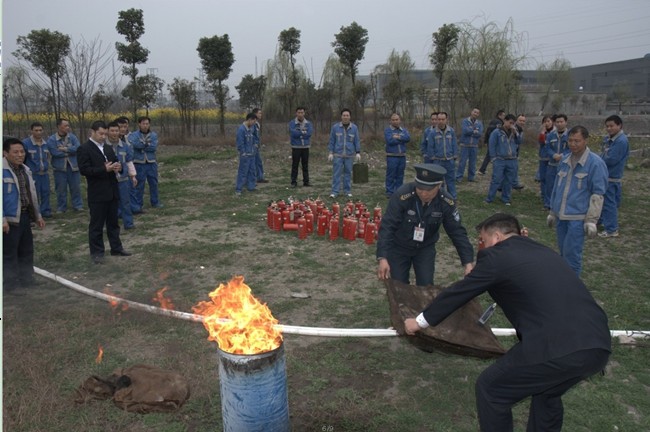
[{"x": 428, "y": 176}]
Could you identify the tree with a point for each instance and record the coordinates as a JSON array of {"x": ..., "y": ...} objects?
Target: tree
[
  {"x": 130, "y": 24},
  {"x": 101, "y": 101},
  {"x": 290, "y": 43},
  {"x": 184, "y": 93},
  {"x": 350, "y": 46},
  {"x": 46, "y": 51},
  {"x": 217, "y": 60},
  {"x": 484, "y": 65},
  {"x": 251, "y": 91},
  {"x": 397, "y": 80},
  {"x": 145, "y": 92},
  {"x": 621, "y": 94},
  {"x": 444, "y": 41},
  {"x": 554, "y": 76},
  {"x": 20, "y": 88}
]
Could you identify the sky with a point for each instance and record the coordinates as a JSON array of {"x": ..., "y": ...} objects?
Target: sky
[{"x": 583, "y": 31}]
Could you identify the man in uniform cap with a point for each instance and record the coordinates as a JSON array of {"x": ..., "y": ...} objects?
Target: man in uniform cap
[{"x": 410, "y": 228}]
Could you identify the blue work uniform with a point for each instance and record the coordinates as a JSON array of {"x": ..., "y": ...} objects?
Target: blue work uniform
[
  {"x": 300, "y": 133},
  {"x": 145, "y": 146},
  {"x": 555, "y": 143},
  {"x": 470, "y": 135},
  {"x": 396, "y": 141},
  {"x": 63, "y": 151},
  {"x": 247, "y": 171},
  {"x": 574, "y": 185},
  {"x": 397, "y": 241},
  {"x": 124, "y": 153},
  {"x": 502, "y": 149},
  {"x": 344, "y": 144},
  {"x": 543, "y": 168},
  {"x": 441, "y": 148},
  {"x": 259, "y": 165},
  {"x": 36, "y": 159},
  {"x": 615, "y": 151}
]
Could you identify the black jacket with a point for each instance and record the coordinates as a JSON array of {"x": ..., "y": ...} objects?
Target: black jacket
[{"x": 102, "y": 185}]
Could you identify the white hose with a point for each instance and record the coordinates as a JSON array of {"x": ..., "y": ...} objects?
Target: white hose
[{"x": 298, "y": 330}]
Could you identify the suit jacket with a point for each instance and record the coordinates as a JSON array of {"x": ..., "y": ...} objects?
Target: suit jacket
[
  {"x": 549, "y": 306},
  {"x": 102, "y": 185}
]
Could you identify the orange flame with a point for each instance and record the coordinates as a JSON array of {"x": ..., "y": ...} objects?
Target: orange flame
[
  {"x": 164, "y": 302},
  {"x": 100, "y": 354},
  {"x": 237, "y": 321},
  {"x": 116, "y": 305}
]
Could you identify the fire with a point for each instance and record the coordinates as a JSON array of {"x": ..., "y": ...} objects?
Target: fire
[
  {"x": 116, "y": 305},
  {"x": 237, "y": 321},
  {"x": 164, "y": 302},
  {"x": 100, "y": 354}
]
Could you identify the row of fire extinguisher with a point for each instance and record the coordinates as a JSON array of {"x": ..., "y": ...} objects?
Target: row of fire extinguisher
[{"x": 309, "y": 215}]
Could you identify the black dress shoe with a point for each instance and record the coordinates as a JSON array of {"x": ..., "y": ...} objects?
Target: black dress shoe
[
  {"x": 263, "y": 181},
  {"x": 307, "y": 184},
  {"x": 120, "y": 252},
  {"x": 97, "y": 259}
]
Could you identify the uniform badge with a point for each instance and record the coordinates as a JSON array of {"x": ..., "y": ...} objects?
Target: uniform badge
[
  {"x": 449, "y": 201},
  {"x": 456, "y": 215}
]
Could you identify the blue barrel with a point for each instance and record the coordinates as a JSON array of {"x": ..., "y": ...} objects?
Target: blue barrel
[{"x": 254, "y": 392}]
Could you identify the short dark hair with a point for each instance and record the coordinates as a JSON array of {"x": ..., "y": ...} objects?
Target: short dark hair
[
  {"x": 7, "y": 141},
  {"x": 443, "y": 112},
  {"x": 256, "y": 110},
  {"x": 122, "y": 120},
  {"x": 435, "y": 113},
  {"x": 499, "y": 112},
  {"x": 346, "y": 109},
  {"x": 510, "y": 117},
  {"x": 504, "y": 222},
  {"x": 98, "y": 124},
  {"x": 300, "y": 108},
  {"x": 35, "y": 124},
  {"x": 61, "y": 120},
  {"x": 251, "y": 116},
  {"x": 579, "y": 130},
  {"x": 113, "y": 124},
  {"x": 557, "y": 116},
  {"x": 143, "y": 118},
  {"x": 614, "y": 118},
  {"x": 546, "y": 117}
]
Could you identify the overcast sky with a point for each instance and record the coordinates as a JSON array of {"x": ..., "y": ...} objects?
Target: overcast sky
[{"x": 583, "y": 31}]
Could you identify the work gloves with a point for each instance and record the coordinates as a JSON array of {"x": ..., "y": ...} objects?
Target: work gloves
[
  {"x": 590, "y": 229},
  {"x": 551, "y": 220},
  {"x": 330, "y": 157},
  {"x": 357, "y": 158}
]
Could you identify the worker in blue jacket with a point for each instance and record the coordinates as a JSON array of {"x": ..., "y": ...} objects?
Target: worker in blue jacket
[
  {"x": 300, "y": 132},
  {"x": 63, "y": 146},
  {"x": 344, "y": 148},
  {"x": 615, "y": 151},
  {"x": 396, "y": 138},
  {"x": 145, "y": 146},
  {"x": 556, "y": 149},
  {"x": 442, "y": 149},
  {"x": 502, "y": 148},
  {"x": 577, "y": 197},
  {"x": 470, "y": 135},
  {"x": 247, "y": 171},
  {"x": 37, "y": 155}
]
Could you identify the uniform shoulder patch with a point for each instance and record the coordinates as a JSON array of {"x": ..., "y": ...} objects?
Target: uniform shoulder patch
[
  {"x": 406, "y": 196},
  {"x": 448, "y": 200}
]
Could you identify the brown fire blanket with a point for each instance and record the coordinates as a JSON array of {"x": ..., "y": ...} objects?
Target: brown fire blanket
[
  {"x": 140, "y": 388},
  {"x": 460, "y": 333}
]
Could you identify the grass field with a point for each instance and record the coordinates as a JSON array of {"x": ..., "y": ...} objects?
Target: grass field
[{"x": 204, "y": 235}]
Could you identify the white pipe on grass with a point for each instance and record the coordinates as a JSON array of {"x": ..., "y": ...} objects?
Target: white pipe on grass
[{"x": 297, "y": 330}]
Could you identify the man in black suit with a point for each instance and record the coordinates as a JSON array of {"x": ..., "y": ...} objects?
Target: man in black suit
[
  {"x": 563, "y": 333},
  {"x": 98, "y": 163}
]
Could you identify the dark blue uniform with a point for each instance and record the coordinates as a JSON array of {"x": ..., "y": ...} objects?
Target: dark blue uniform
[{"x": 396, "y": 242}]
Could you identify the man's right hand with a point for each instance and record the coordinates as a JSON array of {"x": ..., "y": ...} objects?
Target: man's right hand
[
  {"x": 383, "y": 270},
  {"x": 551, "y": 220},
  {"x": 330, "y": 157},
  {"x": 5, "y": 227}
]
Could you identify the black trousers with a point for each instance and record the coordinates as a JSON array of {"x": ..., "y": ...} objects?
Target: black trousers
[
  {"x": 103, "y": 213},
  {"x": 422, "y": 259},
  {"x": 300, "y": 155},
  {"x": 486, "y": 161},
  {"x": 18, "y": 254},
  {"x": 505, "y": 383}
]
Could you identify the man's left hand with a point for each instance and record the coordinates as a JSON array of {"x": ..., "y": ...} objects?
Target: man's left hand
[
  {"x": 468, "y": 268},
  {"x": 40, "y": 223},
  {"x": 590, "y": 229},
  {"x": 357, "y": 157}
]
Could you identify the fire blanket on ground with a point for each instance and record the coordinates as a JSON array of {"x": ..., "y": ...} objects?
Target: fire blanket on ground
[
  {"x": 140, "y": 388},
  {"x": 460, "y": 333}
]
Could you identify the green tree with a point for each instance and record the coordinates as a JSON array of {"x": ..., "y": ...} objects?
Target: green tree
[
  {"x": 396, "y": 75},
  {"x": 46, "y": 50},
  {"x": 217, "y": 59},
  {"x": 350, "y": 46},
  {"x": 251, "y": 91},
  {"x": 101, "y": 101},
  {"x": 290, "y": 43},
  {"x": 145, "y": 91},
  {"x": 554, "y": 76},
  {"x": 130, "y": 24},
  {"x": 184, "y": 94},
  {"x": 444, "y": 41},
  {"x": 621, "y": 93}
]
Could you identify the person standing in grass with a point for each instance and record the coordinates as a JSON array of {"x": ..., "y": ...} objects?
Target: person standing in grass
[
  {"x": 300, "y": 132},
  {"x": 344, "y": 148},
  {"x": 247, "y": 171},
  {"x": 556, "y": 149},
  {"x": 441, "y": 148},
  {"x": 145, "y": 146},
  {"x": 615, "y": 151},
  {"x": 126, "y": 177},
  {"x": 257, "y": 131},
  {"x": 470, "y": 135},
  {"x": 563, "y": 334},
  {"x": 63, "y": 146},
  {"x": 396, "y": 138},
  {"x": 37, "y": 160},
  {"x": 502, "y": 148}
]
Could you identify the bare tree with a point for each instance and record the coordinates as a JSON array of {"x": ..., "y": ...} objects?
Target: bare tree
[
  {"x": 554, "y": 76},
  {"x": 22, "y": 90},
  {"x": 184, "y": 93}
]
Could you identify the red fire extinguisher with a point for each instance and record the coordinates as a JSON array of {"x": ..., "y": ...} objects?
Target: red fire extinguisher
[
  {"x": 370, "y": 233},
  {"x": 309, "y": 218},
  {"x": 302, "y": 228},
  {"x": 334, "y": 228},
  {"x": 322, "y": 224}
]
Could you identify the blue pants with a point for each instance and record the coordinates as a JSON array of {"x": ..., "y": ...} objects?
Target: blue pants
[
  {"x": 551, "y": 173},
  {"x": 609, "y": 215},
  {"x": 570, "y": 241},
  {"x": 504, "y": 175},
  {"x": 63, "y": 181},
  {"x": 450, "y": 177},
  {"x": 145, "y": 172},
  {"x": 341, "y": 165},
  {"x": 246, "y": 173},
  {"x": 259, "y": 166},
  {"x": 124, "y": 210},
  {"x": 422, "y": 259},
  {"x": 395, "y": 166},
  {"x": 42, "y": 182},
  {"x": 541, "y": 171},
  {"x": 467, "y": 154}
]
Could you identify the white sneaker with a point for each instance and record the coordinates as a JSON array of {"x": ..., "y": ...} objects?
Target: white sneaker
[
  {"x": 349, "y": 195},
  {"x": 606, "y": 234},
  {"x": 332, "y": 196}
]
